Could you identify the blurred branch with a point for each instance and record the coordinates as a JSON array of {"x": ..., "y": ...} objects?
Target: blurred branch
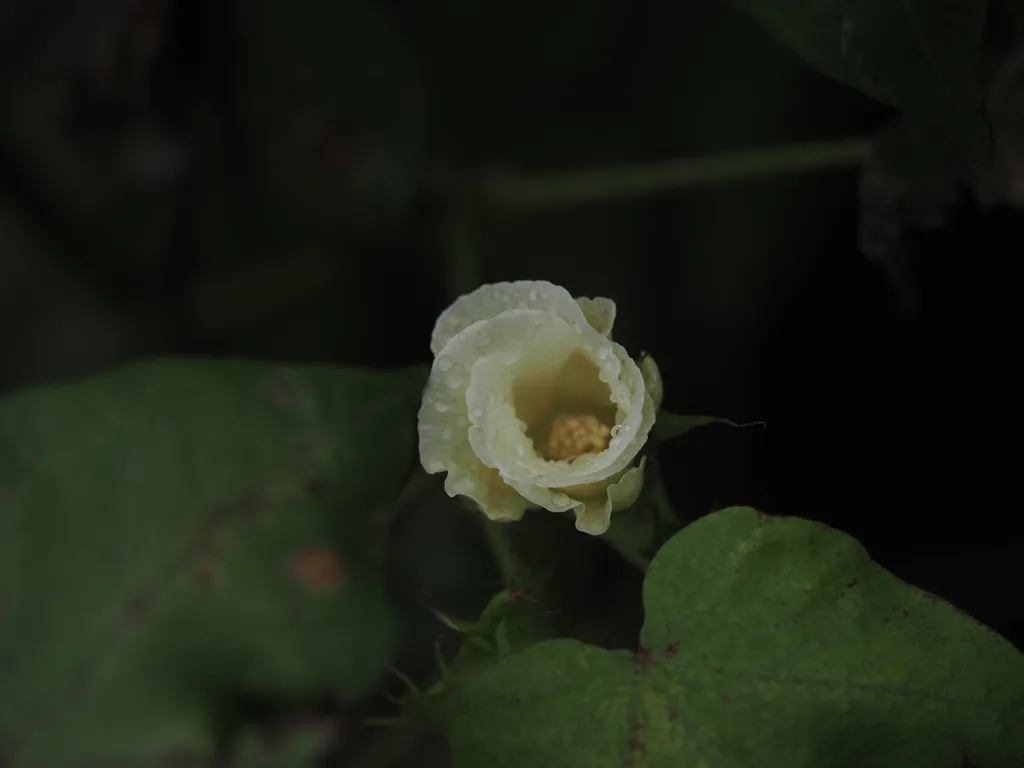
[
  {"x": 515, "y": 190},
  {"x": 463, "y": 268}
]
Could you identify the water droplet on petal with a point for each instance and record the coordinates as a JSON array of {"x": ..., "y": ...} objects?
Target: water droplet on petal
[
  {"x": 475, "y": 414},
  {"x": 444, "y": 364},
  {"x": 533, "y": 295},
  {"x": 603, "y": 353},
  {"x": 454, "y": 380},
  {"x": 616, "y": 430},
  {"x": 440, "y": 407},
  {"x": 561, "y": 499}
]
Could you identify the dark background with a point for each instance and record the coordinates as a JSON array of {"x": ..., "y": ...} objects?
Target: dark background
[{"x": 294, "y": 181}]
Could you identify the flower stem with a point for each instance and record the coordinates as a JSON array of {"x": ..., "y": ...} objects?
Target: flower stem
[
  {"x": 515, "y": 190},
  {"x": 502, "y": 552}
]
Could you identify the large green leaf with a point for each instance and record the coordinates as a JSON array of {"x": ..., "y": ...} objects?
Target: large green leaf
[
  {"x": 921, "y": 56},
  {"x": 176, "y": 534},
  {"x": 768, "y": 642}
]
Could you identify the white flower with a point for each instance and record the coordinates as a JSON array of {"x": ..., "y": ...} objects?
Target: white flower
[{"x": 531, "y": 404}]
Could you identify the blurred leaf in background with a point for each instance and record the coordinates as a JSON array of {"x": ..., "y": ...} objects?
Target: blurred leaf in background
[
  {"x": 176, "y": 535},
  {"x": 920, "y": 56}
]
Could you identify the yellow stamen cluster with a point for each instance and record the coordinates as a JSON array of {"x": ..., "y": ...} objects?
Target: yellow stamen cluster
[{"x": 573, "y": 435}]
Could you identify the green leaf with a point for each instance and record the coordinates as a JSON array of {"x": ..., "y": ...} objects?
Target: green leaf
[
  {"x": 178, "y": 534},
  {"x": 920, "y": 56},
  {"x": 768, "y": 642},
  {"x": 671, "y": 425},
  {"x": 510, "y": 622}
]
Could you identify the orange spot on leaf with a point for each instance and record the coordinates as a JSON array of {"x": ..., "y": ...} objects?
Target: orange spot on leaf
[
  {"x": 207, "y": 572},
  {"x": 320, "y": 569}
]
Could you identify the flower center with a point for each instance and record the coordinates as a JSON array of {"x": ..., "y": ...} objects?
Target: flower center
[
  {"x": 567, "y": 409},
  {"x": 574, "y": 435}
]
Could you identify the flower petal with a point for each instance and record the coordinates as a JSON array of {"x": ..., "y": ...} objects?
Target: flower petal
[
  {"x": 595, "y": 516},
  {"x": 443, "y": 424},
  {"x": 600, "y": 313},
  {"x": 539, "y": 347},
  {"x": 652, "y": 380},
  {"x": 444, "y": 420},
  {"x": 593, "y": 507},
  {"x": 489, "y": 301},
  {"x": 498, "y": 352},
  {"x": 551, "y": 499},
  {"x": 484, "y": 486},
  {"x": 509, "y": 450}
]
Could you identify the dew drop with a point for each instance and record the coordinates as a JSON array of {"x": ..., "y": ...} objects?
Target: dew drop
[
  {"x": 440, "y": 407},
  {"x": 616, "y": 430},
  {"x": 533, "y": 295},
  {"x": 454, "y": 380},
  {"x": 561, "y": 499},
  {"x": 444, "y": 364},
  {"x": 475, "y": 414},
  {"x": 603, "y": 353}
]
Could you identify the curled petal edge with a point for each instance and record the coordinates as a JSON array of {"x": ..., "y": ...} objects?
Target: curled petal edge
[
  {"x": 600, "y": 313},
  {"x": 593, "y": 503}
]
